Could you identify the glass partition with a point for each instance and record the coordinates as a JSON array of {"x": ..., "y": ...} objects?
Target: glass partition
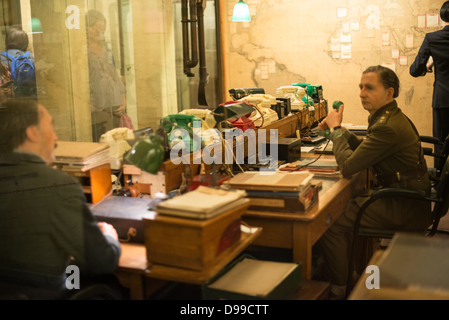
[{"x": 137, "y": 46}]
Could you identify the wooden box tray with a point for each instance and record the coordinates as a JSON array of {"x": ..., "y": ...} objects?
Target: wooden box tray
[{"x": 190, "y": 243}]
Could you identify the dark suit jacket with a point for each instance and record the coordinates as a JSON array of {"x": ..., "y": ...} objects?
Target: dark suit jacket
[{"x": 435, "y": 44}]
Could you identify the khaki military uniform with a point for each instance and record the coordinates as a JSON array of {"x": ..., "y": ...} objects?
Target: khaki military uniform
[{"x": 392, "y": 150}]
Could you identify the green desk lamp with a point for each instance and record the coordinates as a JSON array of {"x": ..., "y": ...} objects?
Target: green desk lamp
[{"x": 147, "y": 154}]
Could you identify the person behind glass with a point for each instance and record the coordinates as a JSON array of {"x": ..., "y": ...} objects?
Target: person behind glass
[
  {"x": 16, "y": 43},
  {"x": 391, "y": 146},
  {"x": 434, "y": 54},
  {"x": 45, "y": 223},
  {"x": 107, "y": 92},
  {"x": 6, "y": 84}
]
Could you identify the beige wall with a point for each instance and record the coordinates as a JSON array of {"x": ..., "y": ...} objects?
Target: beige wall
[{"x": 296, "y": 38}]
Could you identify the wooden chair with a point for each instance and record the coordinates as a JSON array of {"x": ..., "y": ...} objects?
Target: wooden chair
[{"x": 440, "y": 206}]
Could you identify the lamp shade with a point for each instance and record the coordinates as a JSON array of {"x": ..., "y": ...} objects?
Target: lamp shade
[
  {"x": 147, "y": 154},
  {"x": 232, "y": 110},
  {"x": 241, "y": 12}
]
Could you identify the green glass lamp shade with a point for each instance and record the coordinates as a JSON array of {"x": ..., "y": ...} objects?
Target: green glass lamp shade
[
  {"x": 147, "y": 154},
  {"x": 241, "y": 12}
]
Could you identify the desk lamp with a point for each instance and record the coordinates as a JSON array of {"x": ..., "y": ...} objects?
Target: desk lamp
[
  {"x": 148, "y": 153},
  {"x": 232, "y": 110},
  {"x": 229, "y": 111}
]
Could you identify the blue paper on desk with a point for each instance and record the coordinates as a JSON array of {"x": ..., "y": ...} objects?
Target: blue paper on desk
[{"x": 125, "y": 214}]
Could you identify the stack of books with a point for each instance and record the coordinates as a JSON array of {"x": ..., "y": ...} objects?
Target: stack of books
[
  {"x": 81, "y": 156},
  {"x": 202, "y": 203},
  {"x": 291, "y": 192}
]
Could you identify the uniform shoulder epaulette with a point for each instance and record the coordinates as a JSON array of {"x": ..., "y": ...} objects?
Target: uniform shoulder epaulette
[{"x": 384, "y": 117}]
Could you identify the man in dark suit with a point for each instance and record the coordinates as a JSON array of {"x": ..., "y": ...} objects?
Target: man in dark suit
[
  {"x": 436, "y": 46},
  {"x": 45, "y": 224}
]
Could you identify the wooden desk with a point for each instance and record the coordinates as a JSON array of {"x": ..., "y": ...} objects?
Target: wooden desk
[
  {"x": 300, "y": 232},
  {"x": 131, "y": 269},
  {"x": 134, "y": 270}
]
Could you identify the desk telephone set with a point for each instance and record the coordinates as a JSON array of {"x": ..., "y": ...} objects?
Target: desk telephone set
[
  {"x": 295, "y": 94},
  {"x": 237, "y": 94},
  {"x": 186, "y": 122},
  {"x": 264, "y": 115},
  {"x": 314, "y": 92},
  {"x": 207, "y": 122}
]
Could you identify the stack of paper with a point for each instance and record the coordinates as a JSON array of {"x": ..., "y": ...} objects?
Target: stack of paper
[
  {"x": 202, "y": 203},
  {"x": 83, "y": 156}
]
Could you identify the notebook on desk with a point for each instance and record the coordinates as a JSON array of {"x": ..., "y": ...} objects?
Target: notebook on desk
[
  {"x": 319, "y": 167},
  {"x": 320, "y": 163},
  {"x": 202, "y": 203}
]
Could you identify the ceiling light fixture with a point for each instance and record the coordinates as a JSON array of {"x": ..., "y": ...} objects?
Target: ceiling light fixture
[{"x": 241, "y": 12}]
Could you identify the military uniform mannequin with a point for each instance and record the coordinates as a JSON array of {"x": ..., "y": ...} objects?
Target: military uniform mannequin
[{"x": 391, "y": 149}]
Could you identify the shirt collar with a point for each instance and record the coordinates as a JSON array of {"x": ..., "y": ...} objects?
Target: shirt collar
[{"x": 18, "y": 157}]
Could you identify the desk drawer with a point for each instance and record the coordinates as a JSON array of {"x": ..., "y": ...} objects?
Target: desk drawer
[
  {"x": 275, "y": 233},
  {"x": 328, "y": 215}
]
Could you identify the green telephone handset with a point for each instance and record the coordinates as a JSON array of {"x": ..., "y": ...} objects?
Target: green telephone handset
[{"x": 336, "y": 105}]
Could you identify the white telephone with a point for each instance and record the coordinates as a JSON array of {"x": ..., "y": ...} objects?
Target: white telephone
[
  {"x": 116, "y": 138},
  {"x": 294, "y": 93},
  {"x": 264, "y": 115}
]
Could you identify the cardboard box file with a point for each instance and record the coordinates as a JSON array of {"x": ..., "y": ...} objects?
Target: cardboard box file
[
  {"x": 191, "y": 243},
  {"x": 255, "y": 279}
]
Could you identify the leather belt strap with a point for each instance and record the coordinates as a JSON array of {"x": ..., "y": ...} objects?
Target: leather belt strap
[{"x": 387, "y": 179}]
